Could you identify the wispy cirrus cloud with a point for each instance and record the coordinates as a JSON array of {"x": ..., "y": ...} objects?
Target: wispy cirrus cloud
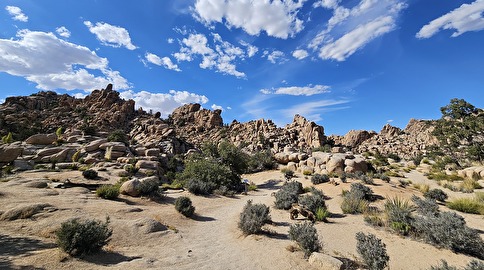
[
  {"x": 252, "y": 16},
  {"x": 52, "y": 63},
  {"x": 17, "y": 13},
  {"x": 298, "y": 90},
  {"x": 467, "y": 17},
  {"x": 111, "y": 35},
  {"x": 351, "y": 29}
]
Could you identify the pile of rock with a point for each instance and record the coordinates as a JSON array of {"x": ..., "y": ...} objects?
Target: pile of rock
[{"x": 321, "y": 162}]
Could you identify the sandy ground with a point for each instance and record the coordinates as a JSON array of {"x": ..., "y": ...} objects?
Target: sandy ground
[{"x": 210, "y": 240}]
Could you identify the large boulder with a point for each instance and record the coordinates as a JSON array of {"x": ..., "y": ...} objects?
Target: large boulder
[
  {"x": 336, "y": 164},
  {"x": 148, "y": 165},
  {"x": 131, "y": 188},
  {"x": 41, "y": 139},
  {"x": 355, "y": 137},
  {"x": 94, "y": 145},
  {"x": 326, "y": 262},
  {"x": 9, "y": 153},
  {"x": 115, "y": 146},
  {"x": 358, "y": 164}
]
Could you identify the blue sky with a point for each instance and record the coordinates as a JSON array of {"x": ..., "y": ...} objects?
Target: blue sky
[{"x": 344, "y": 64}]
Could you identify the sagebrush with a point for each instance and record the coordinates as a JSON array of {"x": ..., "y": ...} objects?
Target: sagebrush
[
  {"x": 372, "y": 250},
  {"x": 306, "y": 236},
  {"x": 253, "y": 217}
]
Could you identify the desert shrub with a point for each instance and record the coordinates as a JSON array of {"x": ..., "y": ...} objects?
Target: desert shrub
[
  {"x": 383, "y": 177},
  {"x": 424, "y": 188},
  {"x": 90, "y": 174},
  {"x": 118, "y": 136},
  {"x": 343, "y": 177},
  {"x": 403, "y": 183},
  {"x": 399, "y": 214},
  {"x": 367, "y": 180},
  {"x": 88, "y": 129},
  {"x": 448, "y": 230},
  {"x": 306, "y": 236},
  {"x": 467, "y": 205},
  {"x": 79, "y": 237},
  {"x": 288, "y": 194},
  {"x": 444, "y": 265},
  {"x": 184, "y": 206},
  {"x": 288, "y": 174},
  {"x": 372, "y": 250},
  {"x": 263, "y": 160},
  {"x": 474, "y": 265},
  {"x": 313, "y": 201},
  {"x": 436, "y": 194},
  {"x": 7, "y": 138},
  {"x": 353, "y": 204},
  {"x": 109, "y": 192},
  {"x": 253, "y": 217},
  {"x": 322, "y": 214},
  {"x": 468, "y": 185},
  {"x": 361, "y": 191},
  {"x": 227, "y": 154},
  {"x": 425, "y": 207},
  {"x": 319, "y": 178},
  {"x": 149, "y": 185},
  {"x": 203, "y": 176}
]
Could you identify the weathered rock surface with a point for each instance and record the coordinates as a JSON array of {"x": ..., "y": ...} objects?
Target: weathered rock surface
[
  {"x": 323, "y": 261},
  {"x": 9, "y": 153}
]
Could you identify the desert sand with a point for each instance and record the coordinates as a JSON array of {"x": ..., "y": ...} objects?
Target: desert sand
[{"x": 209, "y": 240}]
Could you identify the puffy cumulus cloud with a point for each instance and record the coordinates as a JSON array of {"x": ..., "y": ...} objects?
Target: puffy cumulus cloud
[
  {"x": 468, "y": 17},
  {"x": 164, "y": 103},
  {"x": 111, "y": 35},
  {"x": 63, "y": 32},
  {"x": 313, "y": 110},
  {"x": 275, "y": 57},
  {"x": 217, "y": 54},
  {"x": 278, "y": 18},
  {"x": 165, "y": 61},
  {"x": 17, "y": 13},
  {"x": 251, "y": 49},
  {"x": 300, "y": 54},
  {"x": 298, "y": 91},
  {"x": 217, "y": 107},
  {"x": 53, "y": 63},
  {"x": 350, "y": 29}
]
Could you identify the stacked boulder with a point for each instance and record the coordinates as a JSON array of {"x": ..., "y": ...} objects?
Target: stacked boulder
[{"x": 321, "y": 162}]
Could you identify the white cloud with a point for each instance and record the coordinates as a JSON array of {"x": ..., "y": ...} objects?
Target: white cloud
[
  {"x": 275, "y": 56},
  {"x": 2, "y": 100},
  {"x": 300, "y": 54},
  {"x": 170, "y": 41},
  {"x": 63, "y": 32},
  {"x": 17, "y": 13},
  {"x": 251, "y": 49},
  {"x": 298, "y": 91},
  {"x": 164, "y": 103},
  {"x": 165, "y": 61},
  {"x": 220, "y": 55},
  {"x": 229, "y": 108},
  {"x": 217, "y": 107},
  {"x": 80, "y": 95},
  {"x": 312, "y": 110},
  {"x": 53, "y": 63},
  {"x": 349, "y": 30},
  {"x": 467, "y": 17},
  {"x": 276, "y": 18},
  {"x": 111, "y": 35}
]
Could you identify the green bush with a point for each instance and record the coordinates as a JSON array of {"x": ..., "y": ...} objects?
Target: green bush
[
  {"x": 306, "y": 236},
  {"x": 427, "y": 207},
  {"x": 361, "y": 191},
  {"x": 448, "y": 230},
  {"x": 288, "y": 174},
  {"x": 79, "y": 237},
  {"x": 118, "y": 136},
  {"x": 322, "y": 214},
  {"x": 90, "y": 174},
  {"x": 263, "y": 160},
  {"x": 253, "y": 217},
  {"x": 288, "y": 194},
  {"x": 313, "y": 201},
  {"x": 399, "y": 214},
  {"x": 319, "y": 178},
  {"x": 372, "y": 250},
  {"x": 354, "y": 201},
  {"x": 467, "y": 205},
  {"x": 109, "y": 192},
  {"x": 184, "y": 205},
  {"x": 7, "y": 138},
  {"x": 436, "y": 194},
  {"x": 203, "y": 176},
  {"x": 472, "y": 265}
]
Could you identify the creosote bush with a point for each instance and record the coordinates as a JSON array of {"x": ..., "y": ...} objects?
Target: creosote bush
[
  {"x": 319, "y": 178},
  {"x": 288, "y": 194},
  {"x": 253, "y": 217},
  {"x": 90, "y": 174},
  {"x": 306, "y": 236},
  {"x": 184, "y": 205},
  {"x": 80, "y": 237},
  {"x": 313, "y": 201},
  {"x": 372, "y": 250}
]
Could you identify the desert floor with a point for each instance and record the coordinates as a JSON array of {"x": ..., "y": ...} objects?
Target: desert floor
[{"x": 210, "y": 240}]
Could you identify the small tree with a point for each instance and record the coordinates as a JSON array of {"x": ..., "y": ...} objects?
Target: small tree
[
  {"x": 79, "y": 237},
  {"x": 372, "y": 250}
]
